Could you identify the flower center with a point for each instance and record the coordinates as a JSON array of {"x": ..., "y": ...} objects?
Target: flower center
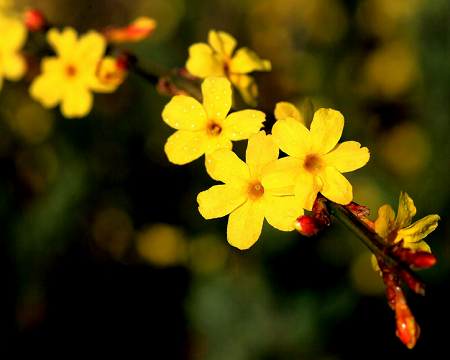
[
  {"x": 255, "y": 190},
  {"x": 71, "y": 71},
  {"x": 314, "y": 164},
  {"x": 213, "y": 128}
]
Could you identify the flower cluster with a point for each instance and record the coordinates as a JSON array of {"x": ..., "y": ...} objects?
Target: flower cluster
[{"x": 264, "y": 187}]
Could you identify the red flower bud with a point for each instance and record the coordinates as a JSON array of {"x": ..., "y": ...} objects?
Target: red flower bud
[
  {"x": 307, "y": 225},
  {"x": 408, "y": 330},
  {"x": 34, "y": 20}
]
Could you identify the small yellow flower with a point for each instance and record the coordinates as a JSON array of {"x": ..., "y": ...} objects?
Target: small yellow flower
[
  {"x": 205, "y": 128},
  {"x": 70, "y": 77},
  {"x": 245, "y": 196},
  {"x": 216, "y": 59},
  {"x": 316, "y": 161},
  {"x": 13, "y": 36},
  {"x": 393, "y": 231}
]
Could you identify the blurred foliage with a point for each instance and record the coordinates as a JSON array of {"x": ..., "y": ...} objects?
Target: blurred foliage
[{"x": 102, "y": 242}]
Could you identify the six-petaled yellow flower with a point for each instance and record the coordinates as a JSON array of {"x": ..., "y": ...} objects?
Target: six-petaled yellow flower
[
  {"x": 216, "y": 59},
  {"x": 205, "y": 128},
  {"x": 316, "y": 161},
  {"x": 12, "y": 38},
  {"x": 70, "y": 77},
  {"x": 245, "y": 196}
]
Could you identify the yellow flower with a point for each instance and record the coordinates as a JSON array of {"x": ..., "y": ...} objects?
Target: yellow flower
[
  {"x": 245, "y": 195},
  {"x": 393, "y": 231},
  {"x": 70, "y": 77},
  {"x": 216, "y": 59},
  {"x": 13, "y": 36},
  {"x": 316, "y": 161},
  {"x": 205, "y": 128}
]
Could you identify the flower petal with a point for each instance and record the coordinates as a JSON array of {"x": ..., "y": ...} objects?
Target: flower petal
[
  {"x": 220, "y": 200},
  {"x": 406, "y": 211},
  {"x": 222, "y": 42},
  {"x": 292, "y": 137},
  {"x": 214, "y": 143},
  {"x": 307, "y": 186},
  {"x": 335, "y": 186},
  {"x": 241, "y": 124},
  {"x": 385, "y": 222},
  {"x": 246, "y": 61},
  {"x": 285, "y": 109},
  {"x": 281, "y": 211},
  {"x": 184, "y": 146},
  {"x": 203, "y": 62},
  {"x": 90, "y": 48},
  {"x": 278, "y": 177},
  {"x": 185, "y": 113},
  {"x": 217, "y": 97},
  {"x": 63, "y": 42},
  {"x": 347, "y": 156},
  {"x": 77, "y": 102},
  {"x": 247, "y": 87},
  {"x": 47, "y": 89},
  {"x": 326, "y": 129},
  {"x": 224, "y": 165},
  {"x": 419, "y": 230},
  {"x": 245, "y": 225},
  {"x": 419, "y": 245},
  {"x": 261, "y": 150},
  {"x": 14, "y": 66}
]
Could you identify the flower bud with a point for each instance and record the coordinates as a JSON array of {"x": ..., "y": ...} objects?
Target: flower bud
[
  {"x": 34, "y": 20},
  {"x": 307, "y": 225},
  {"x": 408, "y": 330}
]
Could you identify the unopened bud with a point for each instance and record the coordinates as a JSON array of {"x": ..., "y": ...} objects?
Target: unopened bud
[
  {"x": 34, "y": 20},
  {"x": 408, "y": 330},
  {"x": 138, "y": 30},
  {"x": 307, "y": 225}
]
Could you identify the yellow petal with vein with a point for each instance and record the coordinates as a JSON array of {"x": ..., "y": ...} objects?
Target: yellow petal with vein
[
  {"x": 217, "y": 97},
  {"x": 285, "y": 109},
  {"x": 420, "y": 229},
  {"x": 184, "y": 146},
  {"x": 203, "y": 62},
  {"x": 224, "y": 165},
  {"x": 245, "y": 225},
  {"x": 326, "y": 130},
  {"x": 222, "y": 42},
  {"x": 307, "y": 186},
  {"x": 278, "y": 177},
  {"x": 406, "y": 211},
  {"x": 292, "y": 137},
  {"x": 335, "y": 186},
  {"x": 261, "y": 150},
  {"x": 385, "y": 222},
  {"x": 347, "y": 156},
  {"x": 220, "y": 200},
  {"x": 246, "y": 61},
  {"x": 185, "y": 113},
  {"x": 281, "y": 211},
  {"x": 241, "y": 124}
]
